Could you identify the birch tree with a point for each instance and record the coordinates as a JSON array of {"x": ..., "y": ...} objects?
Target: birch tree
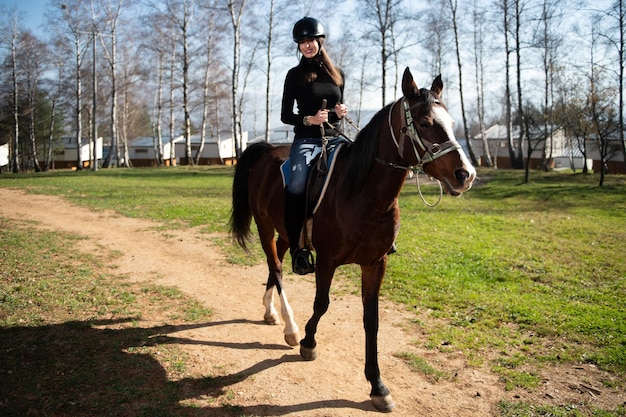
[
  {"x": 181, "y": 13},
  {"x": 10, "y": 40},
  {"x": 614, "y": 36},
  {"x": 33, "y": 65},
  {"x": 524, "y": 133},
  {"x": 156, "y": 43},
  {"x": 235, "y": 10},
  {"x": 113, "y": 10},
  {"x": 503, "y": 7},
  {"x": 55, "y": 92},
  {"x": 547, "y": 42},
  {"x": 479, "y": 67},
  {"x": 70, "y": 18},
  {"x": 172, "y": 101},
  {"x": 438, "y": 38},
  {"x": 601, "y": 107},
  {"x": 268, "y": 81},
  {"x": 453, "y": 7},
  {"x": 381, "y": 15},
  {"x": 211, "y": 36}
]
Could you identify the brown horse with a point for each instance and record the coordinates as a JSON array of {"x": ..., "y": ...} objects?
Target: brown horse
[{"x": 358, "y": 219}]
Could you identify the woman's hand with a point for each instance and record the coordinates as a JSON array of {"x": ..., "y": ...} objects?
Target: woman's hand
[
  {"x": 320, "y": 117},
  {"x": 341, "y": 110}
]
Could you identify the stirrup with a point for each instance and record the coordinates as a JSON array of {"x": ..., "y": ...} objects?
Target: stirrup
[{"x": 302, "y": 261}]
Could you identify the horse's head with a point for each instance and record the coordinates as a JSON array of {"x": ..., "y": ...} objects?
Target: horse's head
[{"x": 427, "y": 137}]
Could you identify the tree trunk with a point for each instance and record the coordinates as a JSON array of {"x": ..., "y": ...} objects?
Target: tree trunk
[
  {"x": 186, "y": 63},
  {"x": 113, "y": 150},
  {"x": 268, "y": 108},
  {"x": 205, "y": 100},
  {"x": 622, "y": 28},
  {"x": 79, "y": 106},
  {"x": 453, "y": 8},
  {"x": 172, "y": 103},
  {"x": 509, "y": 117},
  {"x": 15, "y": 155},
  {"x": 519, "y": 161},
  {"x": 480, "y": 82},
  {"x": 159, "y": 106},
  {"x": 31, "y": 122},
  {"x": 236, "y": 23}
]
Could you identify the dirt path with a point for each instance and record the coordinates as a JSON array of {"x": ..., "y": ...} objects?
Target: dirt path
[{"x": 277, "y": 382}]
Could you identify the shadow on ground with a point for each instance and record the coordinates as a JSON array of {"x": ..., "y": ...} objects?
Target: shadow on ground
[{"x": 81, "y": 369}]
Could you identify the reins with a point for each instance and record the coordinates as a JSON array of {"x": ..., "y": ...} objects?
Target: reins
[{"x": 431, "y": 151}]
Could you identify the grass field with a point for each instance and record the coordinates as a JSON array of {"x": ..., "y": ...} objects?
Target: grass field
[{"x": 516, "y": 276}]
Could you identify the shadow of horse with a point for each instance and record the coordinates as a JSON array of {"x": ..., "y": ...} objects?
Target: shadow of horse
[{"x": 78, "y": 368}]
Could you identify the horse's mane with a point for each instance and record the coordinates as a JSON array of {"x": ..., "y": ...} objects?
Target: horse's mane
[{"x": 360, "y": 155}]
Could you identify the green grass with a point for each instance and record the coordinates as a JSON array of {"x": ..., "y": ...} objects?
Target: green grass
[
  {"x": 73, "y": 339},
  {"x": 181, "y": 197},
  {"x": 421, "y": 366},
  {"x": 42, "y": 281},
  {"x": 533, "y": 268},
  {"x": 516, "y": 276},
  {"x": 518, "y": 409}
]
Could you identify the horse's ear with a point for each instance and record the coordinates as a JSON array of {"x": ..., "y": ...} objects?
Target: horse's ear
[
  {"x": 437, "y": 86},
  {"x": 409, "y": 88}
]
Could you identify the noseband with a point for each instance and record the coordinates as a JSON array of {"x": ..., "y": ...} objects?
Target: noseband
[{"x": 430, "y": 151}]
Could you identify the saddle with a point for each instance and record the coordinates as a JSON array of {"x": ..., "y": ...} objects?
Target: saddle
[{"x": 319, "y": 175}]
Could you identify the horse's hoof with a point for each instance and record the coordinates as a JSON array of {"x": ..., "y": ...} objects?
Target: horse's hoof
[
  {"x": 292, "y": 339},
  {"x": 383, "y": 403},
  {"x": 271, "y": 319},
  {"x": 308, "y": 354}
]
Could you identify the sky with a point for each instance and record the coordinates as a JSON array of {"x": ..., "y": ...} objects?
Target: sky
[
  {"x": 32, "y": 10},
  {"x": 33, "y": 17}
]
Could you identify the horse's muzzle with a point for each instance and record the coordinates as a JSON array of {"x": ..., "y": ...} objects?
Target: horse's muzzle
[
  {"x": 463, "y": 176},
  {"x": 464, "y": 179}
]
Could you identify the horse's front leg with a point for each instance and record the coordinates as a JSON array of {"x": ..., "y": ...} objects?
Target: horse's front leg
[
  {"x": 323, "y": 279},
  {"x": 371, "y": 281}
]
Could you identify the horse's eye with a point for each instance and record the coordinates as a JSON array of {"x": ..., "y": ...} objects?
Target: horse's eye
[{"x": 424, "y": 124}]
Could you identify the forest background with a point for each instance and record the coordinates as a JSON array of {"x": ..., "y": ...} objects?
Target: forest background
[{"x": 122, "y": 70}]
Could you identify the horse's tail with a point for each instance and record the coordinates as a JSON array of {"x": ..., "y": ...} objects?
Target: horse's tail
[{"x": 241, "y": 215}]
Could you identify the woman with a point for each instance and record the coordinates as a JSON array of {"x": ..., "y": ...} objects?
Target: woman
[{"x": 312, "y": 83}]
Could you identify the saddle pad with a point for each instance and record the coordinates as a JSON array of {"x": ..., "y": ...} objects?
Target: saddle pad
[{"x": 285, "y": 170}]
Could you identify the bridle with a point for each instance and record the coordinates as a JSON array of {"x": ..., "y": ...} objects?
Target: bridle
[{"x": 431, "y": 151}]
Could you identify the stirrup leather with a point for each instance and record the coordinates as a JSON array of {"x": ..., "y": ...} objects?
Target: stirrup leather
[{"x": 302, "y": 261}]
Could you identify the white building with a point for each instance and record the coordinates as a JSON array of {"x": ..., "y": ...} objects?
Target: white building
[
  {"x": 556, "y": 149},
  {"x": 142, "y": 151},
  {"x": 66, "y": 154},
  {"x": 4, "y": 157}
]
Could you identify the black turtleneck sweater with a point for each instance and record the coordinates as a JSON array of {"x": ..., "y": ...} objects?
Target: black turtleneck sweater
[{"x": 308, "y": 96}]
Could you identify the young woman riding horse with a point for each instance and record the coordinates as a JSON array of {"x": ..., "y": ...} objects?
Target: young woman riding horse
[
  {"x": 314, "y": 81},
  {"x": 358, "y": 219}
]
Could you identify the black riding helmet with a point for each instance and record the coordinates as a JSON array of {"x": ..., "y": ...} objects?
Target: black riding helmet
[{"x": 307, "y": 28}]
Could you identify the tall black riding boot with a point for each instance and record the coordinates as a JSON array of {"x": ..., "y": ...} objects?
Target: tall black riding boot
[{"x": 302, "y": 260}]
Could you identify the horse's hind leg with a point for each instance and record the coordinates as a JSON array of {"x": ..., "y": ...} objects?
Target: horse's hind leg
[
  {"x": 292, "y": 332},
  {"x": 274, "y": 280},
  {"x": 271, "y": 315}
]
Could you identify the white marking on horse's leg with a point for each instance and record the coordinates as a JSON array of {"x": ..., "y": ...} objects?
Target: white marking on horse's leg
[
  {"x": 271, "y": 315},
  {"x": 292, "y": 333}
]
